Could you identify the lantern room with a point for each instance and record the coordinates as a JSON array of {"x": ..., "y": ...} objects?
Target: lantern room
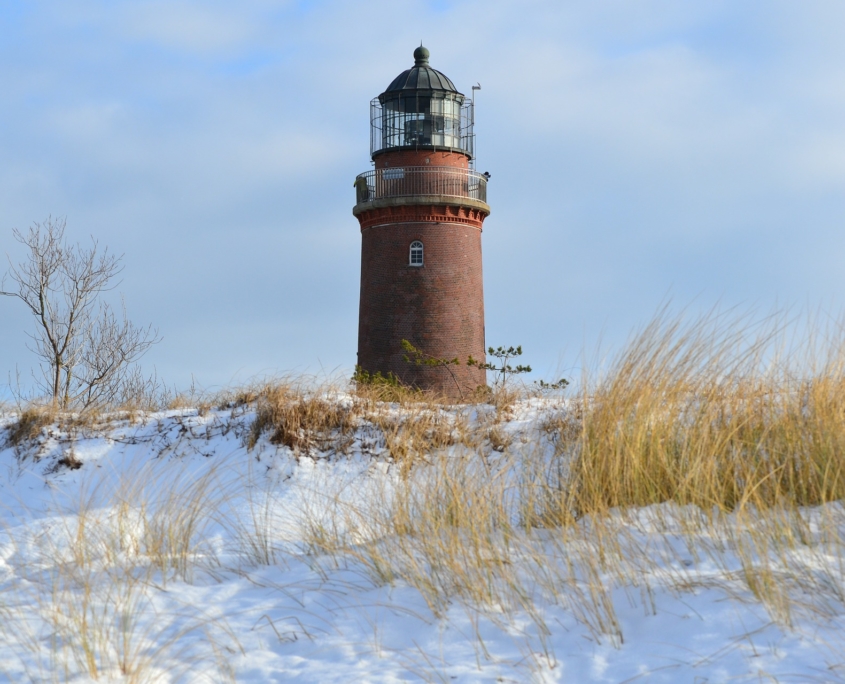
[{"x": 421, "y": 110}]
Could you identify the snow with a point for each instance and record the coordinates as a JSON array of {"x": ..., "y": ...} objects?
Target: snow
[{"x": 249, "y": 598}]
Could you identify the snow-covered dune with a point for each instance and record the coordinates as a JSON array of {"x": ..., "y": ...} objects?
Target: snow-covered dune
[{"x": 161, "y": 549}]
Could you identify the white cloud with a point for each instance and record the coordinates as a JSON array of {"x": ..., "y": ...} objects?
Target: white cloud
[{"x": 198, "y": 27}]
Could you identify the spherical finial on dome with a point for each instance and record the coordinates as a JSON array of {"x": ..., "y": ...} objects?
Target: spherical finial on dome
[{"x": 421, "y": 56}]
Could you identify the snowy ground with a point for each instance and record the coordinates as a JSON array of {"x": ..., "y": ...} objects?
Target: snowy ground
[{"x": 236, "y": 591}]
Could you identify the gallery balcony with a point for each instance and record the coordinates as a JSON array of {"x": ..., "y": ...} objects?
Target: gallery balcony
[{"x": 420, "y": 185}]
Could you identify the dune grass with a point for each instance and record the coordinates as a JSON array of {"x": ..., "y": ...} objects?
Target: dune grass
[
  {"x": 705, "y": 440},
  {"x": 732, "y": 436},
  {"x": 92, "y": 585},
  {"x": 713, "y": 415}
]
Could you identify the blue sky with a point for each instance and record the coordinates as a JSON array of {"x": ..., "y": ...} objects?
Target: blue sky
[{"x": 639, "y": 152}]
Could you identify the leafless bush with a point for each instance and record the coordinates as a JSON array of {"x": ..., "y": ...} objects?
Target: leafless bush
[{"x": 86, "y": 349}]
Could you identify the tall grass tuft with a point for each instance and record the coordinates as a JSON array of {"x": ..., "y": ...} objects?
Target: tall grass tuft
[
  {"x": 31, "y": 421},
  {"x": 305, "y": 419},
  {"x": 715, "y": 414}
]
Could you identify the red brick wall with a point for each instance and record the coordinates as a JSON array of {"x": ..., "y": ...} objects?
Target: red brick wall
[
  {"x": 395, "y": 158},
  {"x": 438, "y": 307}
]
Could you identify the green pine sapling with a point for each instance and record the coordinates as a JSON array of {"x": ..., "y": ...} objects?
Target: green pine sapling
[
  {"x": 363, "y": 377},
  {"x": 551, "y": 386},
  {"x": 503, "y": 370},
  {"x": 420, "y": 358}
]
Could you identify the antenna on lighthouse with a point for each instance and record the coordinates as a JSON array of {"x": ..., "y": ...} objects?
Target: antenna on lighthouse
[{"x": 477, "y": 86}]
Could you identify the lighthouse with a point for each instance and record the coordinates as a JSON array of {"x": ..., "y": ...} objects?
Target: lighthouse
[{"x": 421, "y": 209}]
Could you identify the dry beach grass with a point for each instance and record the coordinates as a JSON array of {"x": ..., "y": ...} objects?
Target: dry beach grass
[{"x": 712, "y": 443}]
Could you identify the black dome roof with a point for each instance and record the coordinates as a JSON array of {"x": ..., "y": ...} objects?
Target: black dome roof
[{"x": 421, "y": 76}]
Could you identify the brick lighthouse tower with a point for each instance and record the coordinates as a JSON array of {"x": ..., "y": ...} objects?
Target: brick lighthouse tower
[{"x": 421, "y": 210}]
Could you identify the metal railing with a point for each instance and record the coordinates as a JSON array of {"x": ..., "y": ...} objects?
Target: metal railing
[{"x": 408, "y": 181}]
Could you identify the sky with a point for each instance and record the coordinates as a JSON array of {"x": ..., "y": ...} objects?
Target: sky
[{"x": 640, "y": 152}]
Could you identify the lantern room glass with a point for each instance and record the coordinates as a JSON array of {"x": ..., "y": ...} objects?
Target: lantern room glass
[{"x": 421, "y": 119}]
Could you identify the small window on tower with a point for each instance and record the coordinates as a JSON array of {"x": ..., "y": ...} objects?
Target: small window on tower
[{"x": 416, "y": 253}]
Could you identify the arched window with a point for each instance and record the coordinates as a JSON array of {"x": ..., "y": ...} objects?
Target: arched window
[{"x": 416, "y": 253}]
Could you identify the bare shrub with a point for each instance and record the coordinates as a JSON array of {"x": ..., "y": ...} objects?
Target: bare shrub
[{"x": 86, "y": 349}]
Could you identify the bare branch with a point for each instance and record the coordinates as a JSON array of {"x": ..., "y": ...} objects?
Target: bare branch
[{"x": 85, "y": 351}]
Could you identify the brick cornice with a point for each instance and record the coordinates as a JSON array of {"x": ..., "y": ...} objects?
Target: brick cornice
[
  {"x": 461, "y": 214},
  {"x": 424, "y": 200}
]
